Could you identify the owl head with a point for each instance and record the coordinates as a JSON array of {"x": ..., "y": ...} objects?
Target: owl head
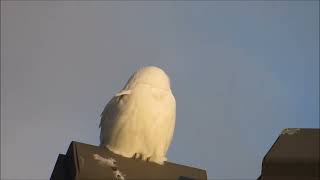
[{"x": 149, "y": 75}]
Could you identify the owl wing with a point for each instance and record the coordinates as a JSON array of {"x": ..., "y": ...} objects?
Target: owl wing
[
  {"x": 109, "y": 115},
  {"x": 171, "y": 126}
]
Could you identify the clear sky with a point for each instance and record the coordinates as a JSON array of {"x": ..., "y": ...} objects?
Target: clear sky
[{"x": 241, "y": 71}]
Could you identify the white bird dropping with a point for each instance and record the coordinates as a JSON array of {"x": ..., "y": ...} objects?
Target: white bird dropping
[{"x": 139, "y": 120}]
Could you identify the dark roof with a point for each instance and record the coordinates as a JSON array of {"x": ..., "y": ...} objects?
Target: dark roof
[{"x": 79, "y": 163}]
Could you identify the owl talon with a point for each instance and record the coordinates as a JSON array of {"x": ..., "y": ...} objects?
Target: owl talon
[{"x": 136, "y": 156}]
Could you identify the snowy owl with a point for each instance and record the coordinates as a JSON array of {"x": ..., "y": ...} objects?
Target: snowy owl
[{"x": 138, "y": 122}]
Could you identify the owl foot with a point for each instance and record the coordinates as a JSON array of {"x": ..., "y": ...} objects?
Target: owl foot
[{"x": 137, "y": 156}]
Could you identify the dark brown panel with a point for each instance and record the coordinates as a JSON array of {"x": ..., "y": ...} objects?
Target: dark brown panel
[
  {"x": 81, "y": 164},
  {"x": 295, "y": 155}
]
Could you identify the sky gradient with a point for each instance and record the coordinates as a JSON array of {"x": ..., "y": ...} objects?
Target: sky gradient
[{"x": 241, "y": 71}]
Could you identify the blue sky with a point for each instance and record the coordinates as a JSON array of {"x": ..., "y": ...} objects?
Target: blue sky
[{"x": 241, "y": 71}]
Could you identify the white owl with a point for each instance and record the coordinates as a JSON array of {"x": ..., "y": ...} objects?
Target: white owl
[{"x": 139, "y": 120}]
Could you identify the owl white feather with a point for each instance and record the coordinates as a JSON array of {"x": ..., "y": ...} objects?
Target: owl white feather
[{"x": 139, "y": 120}]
